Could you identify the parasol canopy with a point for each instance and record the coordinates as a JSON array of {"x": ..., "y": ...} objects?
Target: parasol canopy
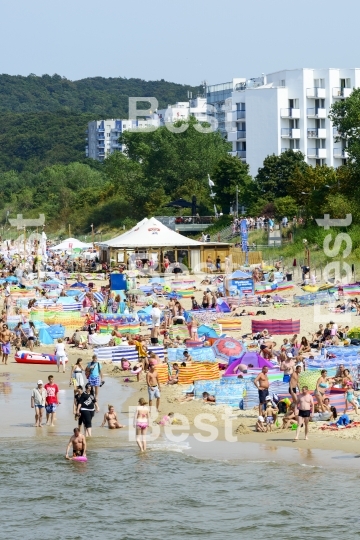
[{"x": 226, "y": 347}]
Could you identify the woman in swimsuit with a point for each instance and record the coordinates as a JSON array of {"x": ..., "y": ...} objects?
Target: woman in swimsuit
[
  {"x": 77, "y": 375},
  {"x": 141, "y": 423},
  {"x": 111, "y": 418},
  {"x": 304, "y": 345},
  {"x": 349, "y": 395},
  {"x": 321, "y": 385}
]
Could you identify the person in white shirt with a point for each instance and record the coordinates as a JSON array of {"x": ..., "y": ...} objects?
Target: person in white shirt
[
  {"x": 60, "y": 354},
  {"x": 38, "y": 399},
  {"x": 155, "y": 327}
]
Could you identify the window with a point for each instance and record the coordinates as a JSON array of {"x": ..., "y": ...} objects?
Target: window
[
  {"x": 282, "y": 82},
  {"x": 345, "y": 83},
  {"x": 319, "y": 83}
]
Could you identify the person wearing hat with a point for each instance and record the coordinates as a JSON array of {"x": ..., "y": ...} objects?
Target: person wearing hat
[
  {"x": 38, "y": 399},
  {"x": 259, "y": 426}
]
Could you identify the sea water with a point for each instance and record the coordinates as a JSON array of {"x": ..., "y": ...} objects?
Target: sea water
[{"x": 173, "y": 491}]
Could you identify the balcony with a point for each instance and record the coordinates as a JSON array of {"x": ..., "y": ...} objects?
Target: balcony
[
  {"x": 315, "y": 92},
  {"x": 240, "y": 114},
  {"x": 101, "y": 145},
  {"x": 316, "y": 153},
  {"x": 290, "y": 113},
  {"x": 101, "y": 138},
  {"x": 290, "y": 133},
  {"x": 100, "y": 130},
  {"x": 316, "y": 133},
  {"x": 232, "y": 135},
  {"x": 341, "y": 153},
  {"x": 341, "y": 93},
  {"x": 241, "y": 134},
  {"x": 241, "y": 154},
  {"x": 316, "y": 112}
]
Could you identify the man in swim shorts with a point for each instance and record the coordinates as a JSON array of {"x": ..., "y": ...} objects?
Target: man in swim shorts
[
  {"x": 262, "y": 384},
  {"x": 78, "y": 443},
  {"x": 5, "y": 337},
  {"x": 294, "y": 383},
  {"x": 52, "y": 400},
  {"x": 305, "y": 405},
  {"x": 152, "y": 381}
]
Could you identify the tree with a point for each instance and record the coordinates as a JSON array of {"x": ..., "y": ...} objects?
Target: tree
[
  {"x": 345, "y": 115},
  {"x": 171, "y": 159},
  {"x": 274, "y": 176},
  {"x": 228, "y": 174},
  {"x": 285, "y": 206}
]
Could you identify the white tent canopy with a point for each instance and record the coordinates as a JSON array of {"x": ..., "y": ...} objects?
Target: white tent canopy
[
  {"x": 150, "y": 233},
  {"x": 71, "y": 243}
]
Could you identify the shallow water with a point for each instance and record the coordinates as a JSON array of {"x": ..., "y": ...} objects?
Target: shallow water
[{"x": 191, "y": 490}]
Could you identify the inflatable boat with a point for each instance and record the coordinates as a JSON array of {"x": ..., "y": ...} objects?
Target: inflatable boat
[{"x": 28, "y": 357}]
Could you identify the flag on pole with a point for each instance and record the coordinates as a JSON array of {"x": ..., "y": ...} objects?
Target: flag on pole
[{"x": 211, "y": 183}]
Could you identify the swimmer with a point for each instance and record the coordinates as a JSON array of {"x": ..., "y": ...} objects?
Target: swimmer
[
  {"x": 111, "y": 418},
  {"x": 78, "y": 443}
]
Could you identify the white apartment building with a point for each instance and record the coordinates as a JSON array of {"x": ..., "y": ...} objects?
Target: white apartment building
[
  {"x": 182, "y": 110},
  {"x": 217, "y": 95},
  {"x": 103, "y": 135},
  {"x": 289, "y": 109}
]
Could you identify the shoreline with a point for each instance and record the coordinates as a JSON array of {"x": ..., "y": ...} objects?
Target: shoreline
[{"x": 243, "y": 422}]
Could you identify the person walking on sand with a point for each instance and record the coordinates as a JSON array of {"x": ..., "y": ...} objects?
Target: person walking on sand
[
  {"x": 52, "y": 400},
  {"x": 141, "y": 423},
  {"x": 94, "y": 375},
  {"x": 152, "y": 381},
  {"x": 5, "y": 338},
  {"x": 294, "y": 383},
  {"x": 38, "y": 400},
  {"x": 111, "y": 418},
  {"x": 305, "y": 405},
  {"x": 262, "y": 384},
  {"x": 78, "y": 444},
  {"x": 60, "y": 354}
]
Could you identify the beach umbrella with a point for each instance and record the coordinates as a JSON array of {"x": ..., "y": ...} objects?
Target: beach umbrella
[
  {"x": 226, "y": 347},
  {"x": 77, "y": 285}
]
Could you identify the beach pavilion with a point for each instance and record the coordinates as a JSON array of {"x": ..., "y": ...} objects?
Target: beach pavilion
[{"x": 152, "y": 240}]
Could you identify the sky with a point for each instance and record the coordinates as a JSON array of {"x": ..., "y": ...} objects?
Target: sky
[{"x": 185, "y": 42}]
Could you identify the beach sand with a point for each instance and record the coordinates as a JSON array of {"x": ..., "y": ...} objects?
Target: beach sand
[{"x": 243, "y": 422}]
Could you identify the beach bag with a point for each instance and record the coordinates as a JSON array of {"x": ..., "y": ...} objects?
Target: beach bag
[{"x": 355, "y": 342}]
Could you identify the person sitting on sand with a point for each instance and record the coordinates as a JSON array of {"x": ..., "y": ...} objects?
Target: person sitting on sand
[
  {"x": 208, "y": 398},
  {"x": 289, "y": 418},
  {"x": 125, "y": 364},
  {"x": 304, "y": 345},
  {"x": 187, "y": 357},
  {"x": 174, "y": 377},
  {"x": 260, "y": 426},
  {"x": 167, "y": 419},
  {"x": 111, "y": 418}
]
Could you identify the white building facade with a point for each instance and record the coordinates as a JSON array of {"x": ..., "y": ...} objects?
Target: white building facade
[
  {"x": 182, "y": 110},
  {"x": 289, "y": 110},
  {"x": 103, "y": 135}
]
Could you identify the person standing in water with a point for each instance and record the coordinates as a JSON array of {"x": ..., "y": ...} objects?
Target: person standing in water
[
  {"x": 52, "y": 400},
  {"x": 141, "y": 423},
  {"x": 78, "y": 443},
  {"x": 38, "y": 399}
]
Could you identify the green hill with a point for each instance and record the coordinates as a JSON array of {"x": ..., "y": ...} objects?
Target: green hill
[
  {"x": 98, "y": 96},
  {"x": 43, "y": 119}
]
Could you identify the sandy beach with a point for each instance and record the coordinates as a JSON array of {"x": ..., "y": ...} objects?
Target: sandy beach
[{"x": 242, "y": 422}]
